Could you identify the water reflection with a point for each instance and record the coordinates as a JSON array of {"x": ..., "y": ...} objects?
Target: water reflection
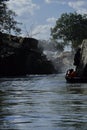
[
  {"x": 77, "y": 105},
  {"x": 43, "y": 102},
  {"x": 74, "y": 88},
  {"x": 71, "y": 109}
]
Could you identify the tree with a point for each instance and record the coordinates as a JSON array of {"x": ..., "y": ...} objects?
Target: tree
[
  {"x": 7, "y": 19},
  {"x": 10, "y": 24},
  {"x": 2, "y": 11},
  {"x": 70, "y": 27}
]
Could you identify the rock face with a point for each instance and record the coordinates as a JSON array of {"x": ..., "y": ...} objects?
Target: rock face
[
  {"x": 20, "y": 56},
  {"x": 81, "y": 65}
]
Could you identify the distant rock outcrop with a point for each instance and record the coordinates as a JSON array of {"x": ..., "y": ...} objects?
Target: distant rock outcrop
[
  {"x": 63, "y": 61},
  {"x": 20, "y": 56},
  {"x": 81, "y": 58}
]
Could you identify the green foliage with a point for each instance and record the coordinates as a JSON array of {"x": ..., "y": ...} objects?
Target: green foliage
[
  {"x": 7, "y": 19},
  {"x": 10, "y": 24},
  {"x": 3, "y": 9},
  {"x": 70, "y": 27}
]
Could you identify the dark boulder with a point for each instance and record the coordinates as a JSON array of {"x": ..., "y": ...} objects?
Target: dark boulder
[{"x": 20, "y": 56}]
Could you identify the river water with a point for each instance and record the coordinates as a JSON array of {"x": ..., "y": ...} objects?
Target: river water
[{"x": 42, "y": 102}]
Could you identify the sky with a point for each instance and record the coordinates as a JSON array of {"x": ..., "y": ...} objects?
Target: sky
[{"x": 38, "y": 16}]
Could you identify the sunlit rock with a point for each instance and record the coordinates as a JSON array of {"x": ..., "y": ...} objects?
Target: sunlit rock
[{"x": 81, "y": 68}]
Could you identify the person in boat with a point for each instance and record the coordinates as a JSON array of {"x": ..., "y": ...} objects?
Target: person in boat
[{"x": 71, "y": 73}]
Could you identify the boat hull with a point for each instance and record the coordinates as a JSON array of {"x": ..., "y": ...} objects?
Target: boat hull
[{"x": 76, "y": 79}]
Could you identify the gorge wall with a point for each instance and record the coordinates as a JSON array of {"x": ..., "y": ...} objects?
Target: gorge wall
[
  {"x": 20, "y": 56},
  {"x": 81, "y": 66}
]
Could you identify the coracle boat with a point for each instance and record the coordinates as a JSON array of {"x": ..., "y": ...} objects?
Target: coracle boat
[
  {"x": 76, "y": 79},
  {"x": 72, "y": 77}
]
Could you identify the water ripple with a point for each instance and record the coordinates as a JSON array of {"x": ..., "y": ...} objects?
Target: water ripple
[{"x": 42, "y": 103}]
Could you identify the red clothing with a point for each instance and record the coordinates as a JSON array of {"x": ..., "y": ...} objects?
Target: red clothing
[{"x": 71, "y": 74}]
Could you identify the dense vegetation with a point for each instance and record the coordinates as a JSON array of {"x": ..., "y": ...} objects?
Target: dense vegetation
[
  {"x": 70, "y": 28},
  {"x": 7, "y": 19}
]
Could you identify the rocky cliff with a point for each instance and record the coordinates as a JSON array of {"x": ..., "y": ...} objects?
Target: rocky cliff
[
  {"x": 80, "y": 59},
  {"x": 21, "y": 55}
]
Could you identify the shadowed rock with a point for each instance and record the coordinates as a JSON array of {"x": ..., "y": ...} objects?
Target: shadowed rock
[
  {"x": 80, "y": 59},
  {"x": 20, "y": 56}
]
